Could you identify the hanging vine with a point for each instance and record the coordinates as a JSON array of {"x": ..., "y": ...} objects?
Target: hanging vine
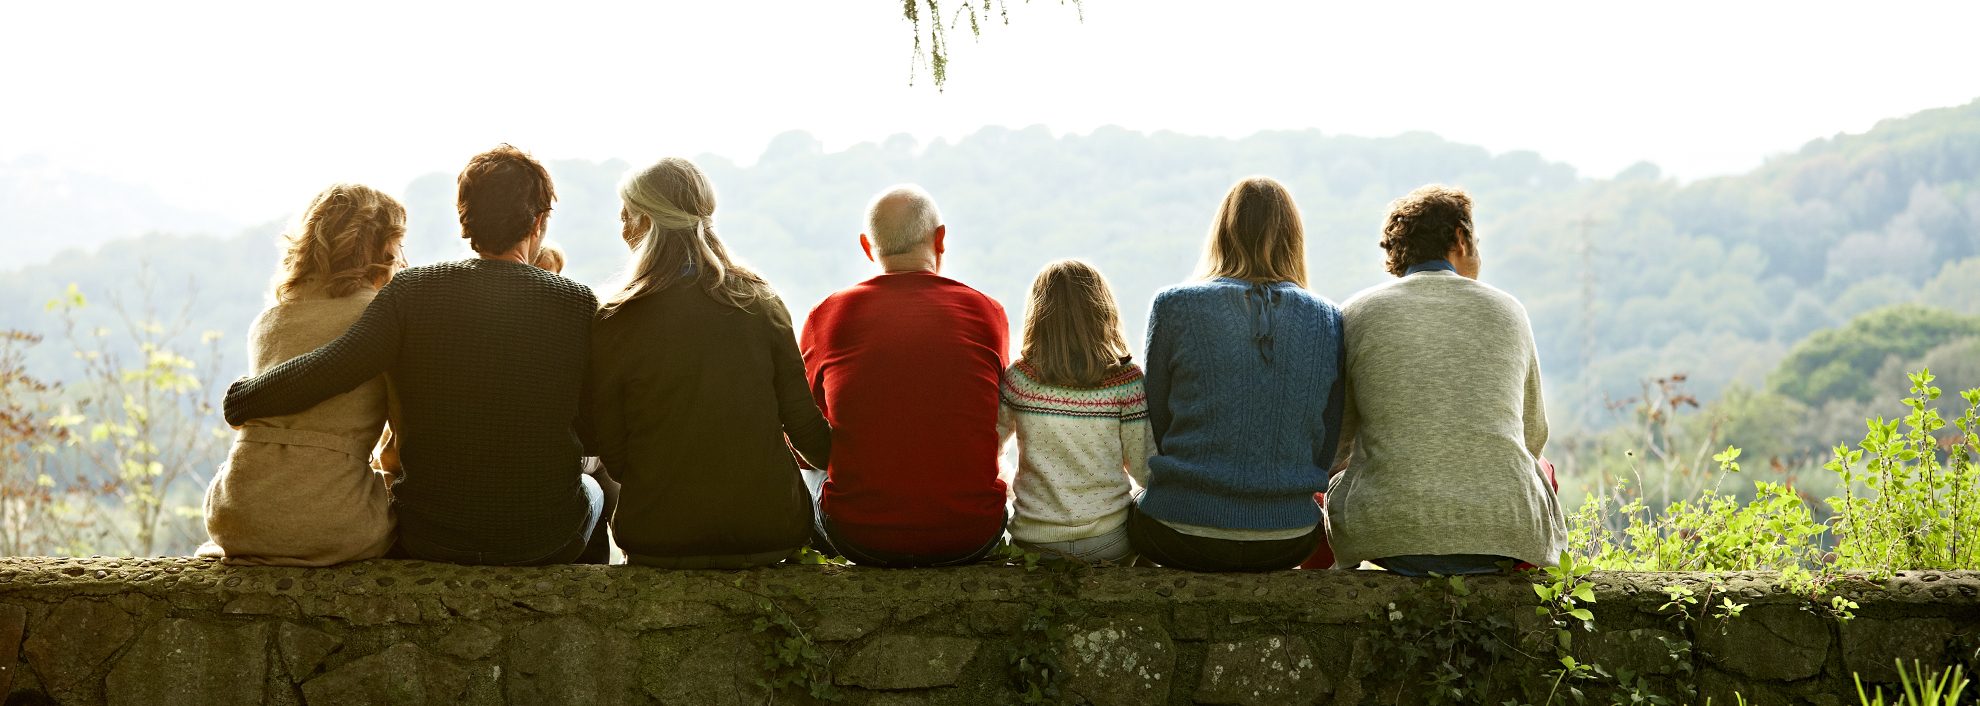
[{"x": 934, "y": 53}]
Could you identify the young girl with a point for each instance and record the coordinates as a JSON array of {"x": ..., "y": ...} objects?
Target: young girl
[
  {"x": 1076, "y": 405},
  {"x": 549, "y": 257}
]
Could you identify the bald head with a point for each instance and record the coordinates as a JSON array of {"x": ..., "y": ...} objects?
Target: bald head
[{"x": 902, "y": 220}]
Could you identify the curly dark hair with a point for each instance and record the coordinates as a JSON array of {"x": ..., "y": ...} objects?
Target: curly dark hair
[
  {"x": 502, "y": 193},
  {"x": 1424, "y": 225}
]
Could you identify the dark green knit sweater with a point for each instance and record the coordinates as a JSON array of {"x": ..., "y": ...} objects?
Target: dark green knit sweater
[{"x": 488, "y": 359}]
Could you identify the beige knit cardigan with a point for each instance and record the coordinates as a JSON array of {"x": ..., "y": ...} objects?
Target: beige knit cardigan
[{"x": 298, "y": 490}]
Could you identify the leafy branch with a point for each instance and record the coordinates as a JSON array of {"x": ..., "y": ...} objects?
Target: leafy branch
[{"x": 935, "y": 53}]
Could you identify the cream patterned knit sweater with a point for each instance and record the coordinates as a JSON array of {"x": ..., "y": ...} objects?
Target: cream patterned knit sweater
[{"x": 1077, "y": 449}]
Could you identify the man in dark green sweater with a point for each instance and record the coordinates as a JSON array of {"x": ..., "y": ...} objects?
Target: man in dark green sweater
[{"x": 487, "y": 356}]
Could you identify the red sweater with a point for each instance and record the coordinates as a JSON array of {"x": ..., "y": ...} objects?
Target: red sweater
[{"x": 906, "y": 366}]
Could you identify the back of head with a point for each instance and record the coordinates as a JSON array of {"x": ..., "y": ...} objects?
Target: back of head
[
  {"x": 550, "y": 258},
  {"x": 1423, "y": 226},
  {"x": 1072, "y": 326},
  {"x": 502, "y": 194},
  {"x": 1257, "y": 236},
  {"x": 669, "y": 209},
  {"x": 902, "y": 219},
  {"x": 345, "y": 241}
]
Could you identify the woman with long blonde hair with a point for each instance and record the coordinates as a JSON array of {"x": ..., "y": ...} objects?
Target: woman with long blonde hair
[
  {"x": 297, "y": 489},
  {"x": 1244, "y": 397},
  {"x": 695, "y": 385},
  {"x": 1075, "y": 402}
]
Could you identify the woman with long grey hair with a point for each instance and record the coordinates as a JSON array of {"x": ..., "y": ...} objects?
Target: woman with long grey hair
[{"x": 696, "y": 398}]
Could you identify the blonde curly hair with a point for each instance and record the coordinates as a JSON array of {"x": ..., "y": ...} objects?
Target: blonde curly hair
[{"x": 345, "y": 241}]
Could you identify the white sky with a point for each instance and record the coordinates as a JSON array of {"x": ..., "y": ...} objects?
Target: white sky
[{"x": 247, "y": 108}]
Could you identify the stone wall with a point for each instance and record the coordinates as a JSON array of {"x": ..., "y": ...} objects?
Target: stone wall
[{"x": 190, "y": 631}]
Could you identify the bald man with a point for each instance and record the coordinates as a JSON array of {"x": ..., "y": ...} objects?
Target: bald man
[{"x": 905, "y": 366}]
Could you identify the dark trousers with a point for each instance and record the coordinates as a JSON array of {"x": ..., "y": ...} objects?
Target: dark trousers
[
  {"x": 1163, "y": 545},
  {"x": 589, "y": 545},
  {"x": 829, "y": 543}
]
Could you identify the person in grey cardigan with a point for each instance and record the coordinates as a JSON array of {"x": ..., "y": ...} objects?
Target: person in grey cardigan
[{"x": 1438, "y": 469}]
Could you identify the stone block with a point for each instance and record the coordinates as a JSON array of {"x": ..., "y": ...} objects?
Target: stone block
[
  {"x": 186, "y": 663},
  {"x": 1196, "y": 621},
  {"x": 1872, "y": 648},
  {"x": 680, "y": 669},
  {"x": 996, "y": 618},
  {"x": 139, "y": 606},
  {"x": 1120, "y": 661},
  {"x": 263, "y": 604},
  {"x": 369, "y": 611},
  {"x": 568, "y": 661},
  {"x": 400, "y": 675},
  {"x": 304, "y": 649},
  {"x": 470, "y": 642},
  {"x": 67, "y": 649},
  {"x": 13, "y": 624},
  {"x": 910, "y": 611},
  {"x": 665, "y": 615},
  {"x": 908, "y": 662},
  {"x": 838, "y": 622},
  {"x": 1797, "y": 643},
  {"x": 1717, "y": 687},
  {"x": 1642, "y": 651},
  {"x": 1261, "y": 671}
]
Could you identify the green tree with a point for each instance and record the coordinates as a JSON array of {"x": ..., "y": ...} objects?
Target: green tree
[
  {"x": 1957, "y": 287},
  {"x": 1841, "y": 363}
]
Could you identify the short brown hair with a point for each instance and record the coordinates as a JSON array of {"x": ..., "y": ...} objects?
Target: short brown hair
[
  {"x": 1424, "y": 225},
  {"x": 1257, "y": 236},
  {"x": 1072, "y": 327},
  {"x": 502, "y": 193}
]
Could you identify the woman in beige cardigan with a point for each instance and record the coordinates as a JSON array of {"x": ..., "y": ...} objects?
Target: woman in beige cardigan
[{"x": 297, "y": 490}]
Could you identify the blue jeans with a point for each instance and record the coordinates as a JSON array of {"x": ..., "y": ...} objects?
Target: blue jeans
[
  {"x": 828, "y": 543},
  {"x": 1420, "y": 565},
  {"x": 1110, "y": 546},
  {"x": 588, "y": 546}
]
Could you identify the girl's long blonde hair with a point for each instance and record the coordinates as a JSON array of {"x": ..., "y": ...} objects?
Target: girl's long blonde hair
[
  {"x": 345, "y": 241},
  {"x": 668, "y": 210},
  {"x": 1072, "y": 328},
  {"x": 1257, "y": 237}
]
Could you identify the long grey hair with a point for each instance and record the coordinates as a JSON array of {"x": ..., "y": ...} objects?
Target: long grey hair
[{"x": 668, "y": 213}]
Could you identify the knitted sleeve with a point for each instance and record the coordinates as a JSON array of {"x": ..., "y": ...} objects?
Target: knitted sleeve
[
  {"x": 1536, "y": 412},
  {"x": 1137, "y": 435},
  {"x": 1350, "y": 426},
  {"x": 1329, "y": 450},
  {"x": 601, "y": 414},
  {"x": 809, "y": 434},
  {"x": 1156, "y": 374},
  {"x": 364, "y": 352},
  {"x": 1006, "y": 417}
]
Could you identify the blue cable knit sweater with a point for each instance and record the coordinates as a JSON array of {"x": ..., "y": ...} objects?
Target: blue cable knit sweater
[{"x": 1244, "y": 393}]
